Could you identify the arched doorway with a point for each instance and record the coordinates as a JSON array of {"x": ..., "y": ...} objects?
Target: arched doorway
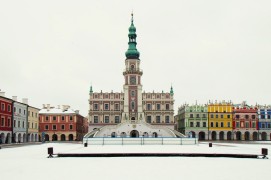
[
  {"x": 71, "y": 137},
  {"x": 63, "y": 137},
  {"x": 8, "y": 139},
  {"x": 192, "y": 134},
  {"x": 213, "y": 135},
  {"x": 54, "y": 137},
  {"x": 255, "y": 136},
  {"x": 229, "y": 135},
  {"x": 2, "y": 138},
  {"x": 13, "y": 138},
  {"x": 264, "y": 136},
  {"x": 24, "y": 138},
  {"x": 123, "y": 134},
  {"x": 145, "y": 134},
  {"x": 36, "y": 138},
  {"x": 134, "y": 133},
  {"x": 201, "y": 135},
  {"x": 32, "y": 137},
  {"x": 154, "y": 134},
  {"x": 238, "y": 136},
  {"x": 221, "y": 135},
  {"x": 247, "y": 136},
  {"x": 46, "y": 137},
  {"x": 113, "y": 134},
  {"x": 19, "y": 138}
]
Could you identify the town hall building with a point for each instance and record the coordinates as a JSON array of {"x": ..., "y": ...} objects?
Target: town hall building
[{"x": 149, "y": 113}]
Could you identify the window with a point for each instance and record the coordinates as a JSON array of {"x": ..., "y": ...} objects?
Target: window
[
  {"x": 253, "y": 117},
  {"x": 96, "y": 119},
  {"x": 262, "y": 116},
  {"x": 157, "y": 119},
  {"x": 54, "y": 127},
  {"x": 106, "y": 106},
  {"x": 229, "y": 124},
  {"x": 117, "y": 119},
  {"x": 9, "y": 122},
  {"x": 198, "y": 124},
  {"x": 263, "y": 125},
  {"x": 71, "y": 127},
  {"x": 2, "y": 122},
  {"x": 46, "y": 118},
  {"x": 237, "y": 124},
  {"x": 14, "y": 123},
  {"x": 132, "y": 93},
  {"x": 216, "y": 116},
  {"x": 167, "y": 106},
  {"x": 54, "y": 118},
  {"x": 20, "y": 111},
  {"x": 191, "y": 124},
  {"x": 148, "y": 119},
  {"x": 19, "y": 124},
  {"x": 221, "y": 116},
  {"x": 203, "y": 115},
  {"x": 228, "y": 116},
  {"x": 117, "y": 107},
  {"x": 268, "y": 116},
  {"x": 204, "y": 124},
  {"x": 247, "y": 116},
  {"x": 23, "y": 124},
  {"x": 46, "y": 127},
  {"x": 96, "y": 107},
  {"x": 197, "y": 115},
  {"x": 268, "y": 125},
  {"x": 191, "y": 115},
  {"x": 247, "y": 124},
  {"x": 221, "y": 124},
  {"x": 106, "y": 119},
  {"x": 62, "y": 127},
  {"x": 216, "y": 124},
  {"x": 14, "y": 109},
  {"x": 167, "y": 119},
  {"x": 253, "y": 124},
  {"x": 212, "y": 116},
  {"x": 9, "y": 108},
  {"x": 158, "y": 107},
  {"x": 32, "y": 125},
  {"x": 3, "y": 107},
  {"x": 212, "y": 124},
  {"x": 32, "y": 114},
  {"x": 36, "y": 115},
  {"x": 24, "y": 112},
  {"x": 237, "y": 116},
  {"x": 70, "y": 118},
  {"x": 63, "y": 118},
  {"x": 133, "y": 104},
  {"x": 149, "y": 107}
]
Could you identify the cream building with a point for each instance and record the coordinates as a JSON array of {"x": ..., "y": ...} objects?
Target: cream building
[{"x": 33, "y": 124}]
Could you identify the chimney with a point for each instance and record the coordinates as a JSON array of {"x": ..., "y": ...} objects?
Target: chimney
[
  {"x": 25, "y": 101},
  {"x": 2, "y": 93},
  {"x": 43, "y": 106},
  {"x": 77, "y": 111},
  {"x": 48, "y": 107},
  {"x": 14, "y": 98}
]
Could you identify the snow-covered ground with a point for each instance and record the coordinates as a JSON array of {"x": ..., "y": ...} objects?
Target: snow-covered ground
[{"x": 31, "y": 162}]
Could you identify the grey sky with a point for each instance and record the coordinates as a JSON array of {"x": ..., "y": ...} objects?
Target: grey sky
[{"x": 51, "y": 51}]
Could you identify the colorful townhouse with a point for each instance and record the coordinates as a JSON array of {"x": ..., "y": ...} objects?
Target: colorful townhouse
[
  {"x": 245, "y": 122},
  {"x": 6, "y": 109},
  {"x": 220, "y": 120},
  {"x": 61, "y": 124},
  {"x": 193, "y": 121},
  {"x": 20, "y": 120},
  {"x": 264, "y": 114},
  {"x": 33, "y": 124}
]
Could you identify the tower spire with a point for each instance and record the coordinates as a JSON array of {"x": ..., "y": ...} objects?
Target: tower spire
[
  {"x": 171, "y": 90},
  {"x": 132, "y": 52}
]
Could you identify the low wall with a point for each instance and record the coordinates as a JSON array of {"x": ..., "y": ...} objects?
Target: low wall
[{"x": 140, "y": 141}]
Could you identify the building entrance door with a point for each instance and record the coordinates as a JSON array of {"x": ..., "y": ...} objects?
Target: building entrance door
[{"x": 134, "y": 133}]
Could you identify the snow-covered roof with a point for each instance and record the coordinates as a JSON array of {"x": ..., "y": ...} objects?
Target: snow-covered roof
[{"x": 64, "y": 109}]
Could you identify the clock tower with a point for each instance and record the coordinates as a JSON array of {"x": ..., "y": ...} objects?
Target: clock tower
[{"x": 133, "y": 110}]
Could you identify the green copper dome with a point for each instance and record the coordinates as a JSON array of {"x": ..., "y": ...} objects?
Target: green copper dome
[{"x": 132, "y": 52}]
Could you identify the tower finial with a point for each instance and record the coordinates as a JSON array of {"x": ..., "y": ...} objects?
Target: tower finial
[{"x": 132, "y": 16}]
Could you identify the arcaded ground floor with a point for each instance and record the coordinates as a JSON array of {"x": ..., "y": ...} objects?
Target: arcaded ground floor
[
  {"x": 65, "y": 136},
  {"x": 231, "y": 135}
]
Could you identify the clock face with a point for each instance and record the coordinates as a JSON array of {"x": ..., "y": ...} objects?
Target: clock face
[{"x": 133, "y": 80}]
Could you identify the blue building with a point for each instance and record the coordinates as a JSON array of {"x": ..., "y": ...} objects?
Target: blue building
[{"x": 264, "y": 122}]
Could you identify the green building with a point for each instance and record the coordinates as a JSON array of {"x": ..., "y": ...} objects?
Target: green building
[{"x": 193, "y": 121}]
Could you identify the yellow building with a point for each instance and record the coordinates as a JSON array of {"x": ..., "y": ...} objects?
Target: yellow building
[
  {"x": 220, "y": 120},
  {"x": 33, "y": 124}
]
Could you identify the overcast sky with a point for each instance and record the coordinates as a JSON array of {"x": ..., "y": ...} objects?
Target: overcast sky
[{"x": 51, "y": 51}]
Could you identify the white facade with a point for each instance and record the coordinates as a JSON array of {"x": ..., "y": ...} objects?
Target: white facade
[{"x": 20, "y": 122}]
